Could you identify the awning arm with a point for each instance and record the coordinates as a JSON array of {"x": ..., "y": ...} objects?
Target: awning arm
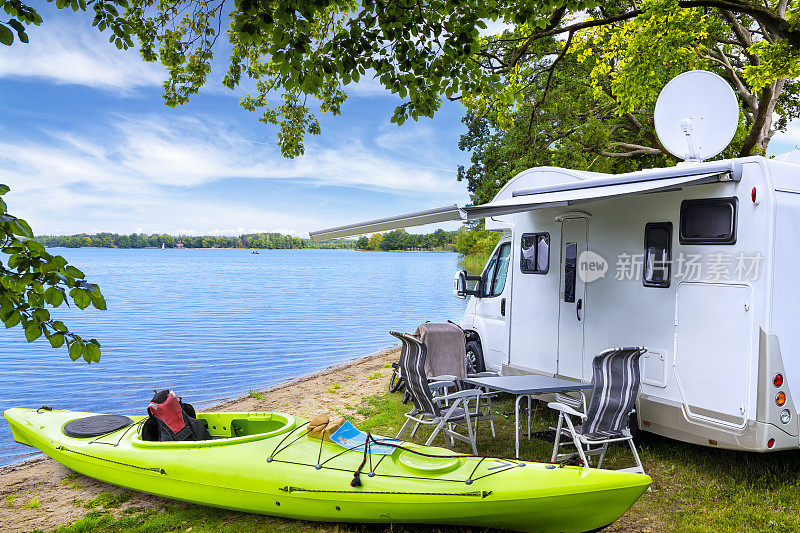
[
  {"x": 732, "y": 171},
  {"x": 420, "y": 218}
]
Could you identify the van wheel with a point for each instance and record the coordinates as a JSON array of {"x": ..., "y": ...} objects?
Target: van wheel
[{"x": 475, "y": 357}]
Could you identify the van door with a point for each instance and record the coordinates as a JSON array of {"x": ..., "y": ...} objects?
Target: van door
[
  {"x": 492, "y": 309},
  {"x": 572, "y": 299}
]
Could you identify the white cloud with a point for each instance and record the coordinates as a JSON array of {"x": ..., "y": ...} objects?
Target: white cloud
[
  {"x": 189, "y": 152},
  {"x": 66, "y": 50},
  {"x": 790, "y": 136},
  {"x": 138, "y": 169},
  {"x": 785, "y": 141}
]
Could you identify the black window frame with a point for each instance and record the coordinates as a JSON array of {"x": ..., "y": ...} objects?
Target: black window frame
[
  {"x": 660, "y": 284},
  {"x": 487, "y": 284},
  {"x": 536, "y": 236},
  {"x": 733, "y": 202}
]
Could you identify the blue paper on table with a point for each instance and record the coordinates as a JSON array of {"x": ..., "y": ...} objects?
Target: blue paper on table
[{"x": 350, "y": 437}]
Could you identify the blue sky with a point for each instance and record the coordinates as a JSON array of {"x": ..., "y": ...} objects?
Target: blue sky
[{"x": 87, "y": 145}]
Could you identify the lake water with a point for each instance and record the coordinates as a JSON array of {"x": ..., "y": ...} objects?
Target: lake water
[{"x": 212, "y": 324}]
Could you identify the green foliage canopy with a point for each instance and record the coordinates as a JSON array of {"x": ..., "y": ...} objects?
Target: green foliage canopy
[
  {"x": 586, "y": 101},
  {"x": 32, "y": 279},
  {"x": 303, "y": 53}
]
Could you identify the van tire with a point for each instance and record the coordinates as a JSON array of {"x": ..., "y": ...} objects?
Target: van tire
[{"x": 475, "y": 357}]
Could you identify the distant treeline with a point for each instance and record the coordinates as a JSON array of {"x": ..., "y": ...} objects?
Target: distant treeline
[
  {"x": 401, "y": 240},
  {"x": 394, "y": 240},
  {"x": 140, "y": 240}
]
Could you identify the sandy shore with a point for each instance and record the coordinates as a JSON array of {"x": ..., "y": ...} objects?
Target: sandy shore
[{"x": 42, "y": 494}]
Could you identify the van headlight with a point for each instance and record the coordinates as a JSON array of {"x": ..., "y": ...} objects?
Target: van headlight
[{"x": 786, "y": 416}]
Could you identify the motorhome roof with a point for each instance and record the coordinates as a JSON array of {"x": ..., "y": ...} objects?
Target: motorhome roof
[{"x": 557, "y": 186}]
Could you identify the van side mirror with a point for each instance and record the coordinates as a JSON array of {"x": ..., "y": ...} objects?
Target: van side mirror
[{"x": 461, "y": 283}]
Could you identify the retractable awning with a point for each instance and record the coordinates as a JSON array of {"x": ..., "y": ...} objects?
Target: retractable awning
[
  {"x": 525, "y": 200},
  {"x": 570, "y": 193},
  {"x": 420, "y": 218}
]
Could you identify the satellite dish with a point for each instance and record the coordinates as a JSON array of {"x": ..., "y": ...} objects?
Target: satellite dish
[{"x": 696, "y": 115}]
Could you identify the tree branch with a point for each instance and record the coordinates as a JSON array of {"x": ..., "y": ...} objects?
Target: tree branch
[{"x": 771, "y": 20}]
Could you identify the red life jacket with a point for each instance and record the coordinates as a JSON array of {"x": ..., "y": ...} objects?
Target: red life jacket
[{"x": 172, "y": 420}]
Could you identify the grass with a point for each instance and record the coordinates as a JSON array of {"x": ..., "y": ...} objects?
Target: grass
[
  {"x": 254, "y": 394},
  {"x": 474, "y": 263},
  {"x": 10, "y": 500},
  {"x": 334, "y": 387},
  {"x": 72, "y": 481},
  {"x": 695, "y": 489},
  {"x": 374, "y": 375},
  {"x": 109, "y": 500},
  {"x": 33, "y": 503}
]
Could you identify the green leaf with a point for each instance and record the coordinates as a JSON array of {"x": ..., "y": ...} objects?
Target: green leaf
[
  {"x": 33, "y": 331},
  {"x": 14, "y": 23},
  {"x": 13, "y": 319},
  {"x": 54, "y": 296},
  {"x": 92, "y": 350},
  {"x": 57, "y": 340},
  {"x": 4, "y": 189},
  {"x": 81, "y": 297},
  {"x": 76, "y": 350},
  {"x": 6, "y": 35},
  {"x": 34, "y": 246},
  {"x": 73, "y": 272},
  {"x": 41, "y": 315},
  {"x": 26, "y": 229},
  {"x": 35, "y": 299},
  {"x": 98, "y": 301}
]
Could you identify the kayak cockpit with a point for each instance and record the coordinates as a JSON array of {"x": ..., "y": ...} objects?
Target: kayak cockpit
[{"x": 231, "y": 428}]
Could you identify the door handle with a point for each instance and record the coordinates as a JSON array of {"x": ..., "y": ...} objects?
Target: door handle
[
  {"x": 579, "y": 306},
  {"x": 502, "y": 307}
]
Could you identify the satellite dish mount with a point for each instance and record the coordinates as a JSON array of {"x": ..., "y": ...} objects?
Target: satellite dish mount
[{"x": 686, "y": 126}]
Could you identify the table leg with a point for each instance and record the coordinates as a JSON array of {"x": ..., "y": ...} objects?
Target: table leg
[
  {"x": 529, "y": 417},
  {"x": 516, "y": 423}
]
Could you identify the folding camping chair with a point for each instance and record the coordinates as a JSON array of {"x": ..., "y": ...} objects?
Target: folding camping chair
[
  {"x": 616, "y": 384},
  {"x": 447, "y": 361},
  {"x": 444, "y": 411}
]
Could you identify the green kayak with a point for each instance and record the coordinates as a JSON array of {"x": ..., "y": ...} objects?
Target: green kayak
[{"x": 267, "y": 463}]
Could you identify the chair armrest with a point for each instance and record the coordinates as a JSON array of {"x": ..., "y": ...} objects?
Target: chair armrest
[
  {"x": 462, "y": 394},
  {"x": 483, "y": 375},
  {"x": 441, "y": 384},
  {"x": 566, "y": 409},
  {"x": 443, "y": 377}
]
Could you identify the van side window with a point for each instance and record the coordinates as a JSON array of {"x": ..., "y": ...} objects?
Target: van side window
[
  {"x": 503, "y": 258},
  {"x": 535, "y": 257},
  {"x": 497, "y": 271},
  {"x": 708, "y": 221},
  {"x": 657, "y": 254}
]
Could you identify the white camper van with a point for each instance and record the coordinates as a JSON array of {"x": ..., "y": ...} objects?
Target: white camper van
[{"x": 698, "y": 262}]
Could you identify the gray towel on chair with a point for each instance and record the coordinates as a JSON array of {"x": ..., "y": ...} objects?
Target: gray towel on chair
[{"x": 446, "y": 349}]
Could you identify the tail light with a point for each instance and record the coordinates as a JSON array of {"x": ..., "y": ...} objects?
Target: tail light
[
  {"x": 777, "y": 380},
  {"x": 780, "y": 399}
]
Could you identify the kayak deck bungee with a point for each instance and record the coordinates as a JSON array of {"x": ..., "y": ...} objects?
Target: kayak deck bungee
[{"x": 268, "y": 463}]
